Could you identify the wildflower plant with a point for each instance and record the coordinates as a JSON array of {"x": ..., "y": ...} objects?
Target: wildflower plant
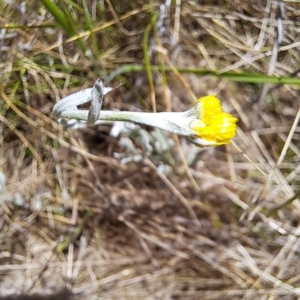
[{"x": 206, "y": 124}]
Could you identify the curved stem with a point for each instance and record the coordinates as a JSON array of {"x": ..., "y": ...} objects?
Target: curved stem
[{"x": 175, "y": 122}]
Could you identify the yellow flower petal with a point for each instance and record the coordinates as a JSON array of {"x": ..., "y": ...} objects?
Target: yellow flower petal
[
  {"x": 214, "y": 125},
  {"x": 209, "y": 107}
]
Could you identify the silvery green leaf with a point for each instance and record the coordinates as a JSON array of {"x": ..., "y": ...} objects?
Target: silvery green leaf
[{"x": 71, "y": 102}]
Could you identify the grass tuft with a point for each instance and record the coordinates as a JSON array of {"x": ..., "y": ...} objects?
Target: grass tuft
[{"x": 143, "y": 214}]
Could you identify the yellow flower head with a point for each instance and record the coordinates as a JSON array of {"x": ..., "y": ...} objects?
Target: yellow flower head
[{"x": 214, "y": 125}]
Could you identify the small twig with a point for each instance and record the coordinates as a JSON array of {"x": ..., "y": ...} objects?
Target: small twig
[
  {"x": 175, "y": 191},
  {"x": 272, "y": 65},
  {"x": 248, "y": 159}
]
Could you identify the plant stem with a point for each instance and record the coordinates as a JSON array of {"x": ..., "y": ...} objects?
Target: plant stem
[{"x": 176, "y": 122}]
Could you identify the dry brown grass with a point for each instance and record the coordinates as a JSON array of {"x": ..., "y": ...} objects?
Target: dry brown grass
[{"x": 76, "y": 222}]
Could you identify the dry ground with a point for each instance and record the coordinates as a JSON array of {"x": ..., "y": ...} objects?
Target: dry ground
[{"x": 90, "y": 216}]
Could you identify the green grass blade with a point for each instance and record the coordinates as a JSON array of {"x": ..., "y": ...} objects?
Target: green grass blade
[
  {"x": 59, "y": 16},
  {"x": 234, "y": 76},
  {"x": 147, "y": 61},
  {"x": 64, "y": 20}
]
